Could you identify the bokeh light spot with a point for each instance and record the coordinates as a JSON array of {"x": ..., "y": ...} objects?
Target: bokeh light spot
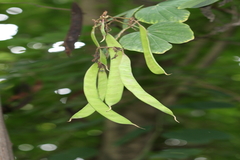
[
  {"x": 7, "y": 31},
  {"x": 57, "y": 47},
  {"x": 3, "y": 17},
  {"x": 48, "y": 147},
  {"x": 46, "y": 126},
  {"x": 14, "y": 10},
  {"x": 25, "y": 147},
  {"x": 17, "y": 49},
  {"x": 175, "y": 142},
  {"x": 200, "y": 158},
  {"x": 27, "y": 107},
  {"x": 63, "y": 91}
]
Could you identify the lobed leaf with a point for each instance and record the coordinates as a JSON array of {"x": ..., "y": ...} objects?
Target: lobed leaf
[
  {"x": 173, "y": 32},
  {"x": 159, "y": 35},
  {"x": 182, "y": 4},
  {"x": 196, "y": 4},
  {"x": 161, "y": 13}
]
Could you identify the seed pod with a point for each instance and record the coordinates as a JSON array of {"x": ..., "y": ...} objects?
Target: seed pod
[
  {"x": 102, "y": 84},
  {"x": 84, "y": 112},
  {"x": 115, "y": 86},
  {"x": 150, "y": 60},
  {"x": 132, "y": 85},
  {"x": 91, "y": 93}
]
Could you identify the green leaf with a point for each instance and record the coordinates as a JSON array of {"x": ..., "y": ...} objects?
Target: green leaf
[
  {"x": 196, "y": 4},
  {"x": 130, "y": 14},
  {"x": 158, "y": 35},
  {"x": 160, "y": 13},
  {"x": 178, "y": 153},
  {"x": 81, "y": 152},
  {"x": 205, "y": 105},
  {"x": 182, "y": 4},
  {"x": 173, "y": 32},
  {"x": 197, "y": 136},
  {"x": 133, "y": 135},
  {"x": 133, "y": 42}
]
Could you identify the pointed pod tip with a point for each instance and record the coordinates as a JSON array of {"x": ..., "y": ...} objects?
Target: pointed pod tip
[
  {"x": 138, "y": 126},
  {"x": 175, "y": 118},
  {"x": 69, "y": 120}
]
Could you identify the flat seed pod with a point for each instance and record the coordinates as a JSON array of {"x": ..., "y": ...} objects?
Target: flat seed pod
[
  {"x": 150, "y": 60},
  {"x": 88, "y": 109},
  {"x": 102, "y": 84},
  {"x": 132, "y": 85},
  {"x": 115, "y": 86},
  {"x": 84, "y": 112},
  {"x": 91, "y": 93}
]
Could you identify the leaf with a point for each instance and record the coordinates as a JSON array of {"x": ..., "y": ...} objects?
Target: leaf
[
  {"x": 182, "y": 4},
  {"x": 196, "y": 4},
  {"x": 133, "y": 42},
  {"x": 205, "y": 105},
  {"x": 75, "y": 28},
  {"x": 197, "y": 136},
  {"x": 73, "y": 153},
  {"x": 130, "y": 136},
  {"x": 150, "y": 60},
  {"x": 161, "y": 13},
  {"x": 130, "y": 14},
  {"x": 177, "y": 153},
  {"x": 173, "y": 32},
  {"x": 158, "y": 35},
  {"x": 132, "y": 85}
]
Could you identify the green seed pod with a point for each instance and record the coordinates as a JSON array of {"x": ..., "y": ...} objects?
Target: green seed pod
[
  {"x": 102, "y": 84},
  {"x": 84, "y": 112},
  {"x": 150, "y": 60},
  {"x": 91, "y": 93},
  {"x": 115, "y": 86},
  {"x": 132, "y": 85}
]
